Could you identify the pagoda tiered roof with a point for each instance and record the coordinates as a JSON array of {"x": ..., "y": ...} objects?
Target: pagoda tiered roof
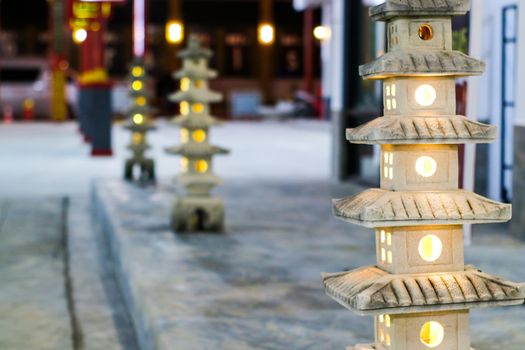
[
  {"x": 371, "y": 290},
  {"x": 195, "y": 73},
  {"x": 141, "y": 147},
  {"x": 383, "y": 208},
  {"x": 195, "y": 121},
  {"x": 196, "y": 96},
  {"x": 142, "y": 127},
  {"x": 194, "y": 50},
  {"x": 454, "y": 129},
  {"x": 416, "y": 8},
  {"x": 193, "y": 149},
  {"x": 421, "y": 62}
]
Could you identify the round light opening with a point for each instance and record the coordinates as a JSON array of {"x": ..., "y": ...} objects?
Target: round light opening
[
  {"x": 201, "y": 166},
  {"x": 199, "y": 135},
  {"x": 430, "y": 248},
  {"x": 137, "y": 71},
  {"x": 425, "y": 32},
  {"x": 80, "y": 35},
  {"x": 141, "y": 101},
  {"x": 426, "y": 95},
  {"x": 184, "y": 164},
  {"x": 426, "y": 166},
  {"x": 138, "y": 118},
  {"x": 197, "y": 108},
  {"x": 432, "y": 334},
  {"x": 136, "y": 85}
]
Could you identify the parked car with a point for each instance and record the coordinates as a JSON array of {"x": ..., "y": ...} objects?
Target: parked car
[{"x": 25, "y": 83}]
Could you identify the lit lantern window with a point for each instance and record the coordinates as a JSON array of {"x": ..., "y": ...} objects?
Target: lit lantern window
[
  {"x": 201, "y": 166},
  {"x": 426, "y": 32},
  {"x": 137, "y": 85},
  {"x": 138, "y": 118},
  {"x": 381, "y": 336},
  {"x": 387, "y": 340},
  {"x": 137, "y": 138},
  {"x": 381, "y": 318},
  {"x": 383, "y": 254},
  {"x": 174, "y": 32},
  {"x": 184, "y": 135},
  {"x": 387, "y": 321},
  {"x": 430, "y": 248},
  {"x": 390, "y": 100},
  {"x": 199, "y": 84},
  {"x": 197, "y": 108},
  {"x": 137, "y": 71},
  {"x": 426, "y": 166},
  {"x": 184, "y": 108},
  {"x": 432, "y": 334},
  {"x": 185, "y": 84},
  {"x": 383, "y": 236},
  {"x": 388, "y": 165},
  {"x": 199, "y": 135},
  {"x": 184, "y": 164},
  {"x": 425, "y": 95},
  {"x": 389, "y": 238},
  {"x": 141, "y": 100}
]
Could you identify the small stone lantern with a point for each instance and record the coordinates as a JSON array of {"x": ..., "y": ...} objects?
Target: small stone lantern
[
  {"x": 139, "y": 124},
  {"x": 420, "y": 290},
  {"x": 197, "y": 210}
]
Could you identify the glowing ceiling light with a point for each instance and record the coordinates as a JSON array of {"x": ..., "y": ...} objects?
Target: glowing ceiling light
[
  {"x": 426, "y": 166},
  {"x": 425, "y": 95},
  {"x": 432, "y": 334},
  {"x": 430, "y": 248},
  {"x": 80, "y": 35},
  {"x": 322, "y": 33},
  {"x": 174, "y": 32},
  {"x": 266, "y": 33}
]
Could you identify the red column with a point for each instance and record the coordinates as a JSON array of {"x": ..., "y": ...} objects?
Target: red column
[{"x": 308, "y": 50}]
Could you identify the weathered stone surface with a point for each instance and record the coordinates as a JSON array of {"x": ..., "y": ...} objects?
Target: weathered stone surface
[
  {"x": 518, "y": 172},
  {"x": 257, "y": 286},
  {"x": 381, "y": 208},
  {"x": 372, "y": 290},
  {"x": 421, "y": 62},
  {"x": 397, "y": 130},
  {"x": 33, "y": 307},
  {"x": 393, "y": 8}
]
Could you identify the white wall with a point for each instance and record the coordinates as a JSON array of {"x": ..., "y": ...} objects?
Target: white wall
[{"x": 520, "y": 107}]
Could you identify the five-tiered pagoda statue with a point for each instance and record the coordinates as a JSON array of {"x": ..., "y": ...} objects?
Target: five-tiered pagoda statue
[
  {"x": 139, "y": 123},
  {"x": 420, "y": 291},
  {"x": 197, "y": 210}
]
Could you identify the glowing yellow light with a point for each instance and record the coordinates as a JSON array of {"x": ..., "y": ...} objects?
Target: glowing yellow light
[
  {"x": 197, "y": 108},
  {"x": 199, "y": 84},
  {"x": 389, "y": 257},
  {"x": 266, "y": 33},
  {"x": 389, "y": 238},
  {"x": 184, "y": 135},
  {"x": 381, "y": 318},
  {"x": 138, "y": 118},
  {"x": 184, "y": 108},
  {"x": 137, "y": 71},
  {"x": 199, "y": 135},
  {"x": 432, "y": 334},
  {"x": 174, "y": 32},
  {"x": 383, "y": 254},
  {"x": 388, "y": 341},
  {"x": 387, "y": 321},
  {"x": 201, "y": 166},
  {"x": 322, "y": 33},
  {"x": 382, "y": 236},
  {"x": 430, "y": 248},
  {"x": 185, "y": 84},
  {"x": 80, "y": 35},
  {"x": 141, "y": 100},
  {"x": 426, "y": 166},
  {"x": 425, "y": 95},
  {"x": 184, "y": 164},
  {"x": 137, "y": 138},
  {"x": 28, "y": 103},
  {"x": 137, "y": 85},
  {"x": 381, "y": 336}
]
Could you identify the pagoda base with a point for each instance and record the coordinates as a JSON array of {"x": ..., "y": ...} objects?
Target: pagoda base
[
  {"x": 146, "y": 168},
  {"x": 198, "y": 214},
  {"x": 371, "y": 290},
  {"x": 372, "y": 347}
]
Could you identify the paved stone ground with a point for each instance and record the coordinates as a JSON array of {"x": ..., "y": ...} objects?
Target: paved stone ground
[{"x": 258, "y": 285}]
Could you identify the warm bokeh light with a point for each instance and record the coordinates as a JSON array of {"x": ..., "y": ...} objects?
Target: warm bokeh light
[
  {"x": 201, "y": 166},
  {"x": 184, "y": 135},
  {"x": 426, "y": 166},
  {"x": 199, "y": 135},
  {"x": 140, "y": 101},
  {"x": 432, "y": 334},
  {"x": 138, "y": 118},
  {"x": 174, "y": 32},
  {"x": 430, "y": 248},
  {"x": 137, "y": 71},
  {"x": 322, "y": 33},
  {"x": 184, "y": 108},
  {"x": 137, "y": 138},
  {"x": 425, "y": 95},
  {"x": 184, "y": 164},
  {"x": 80, "y": 35},
  {"x": 197, "y": 108},
  {"x": 137, "y": 85},
  {"x": 266, "y": 33}
]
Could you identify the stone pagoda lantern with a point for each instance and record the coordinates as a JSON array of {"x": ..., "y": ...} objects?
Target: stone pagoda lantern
[
  {"x": 420, "y": 291},
  {"x": 197, "y": 210},
  {"x": 139, "y": 124}
]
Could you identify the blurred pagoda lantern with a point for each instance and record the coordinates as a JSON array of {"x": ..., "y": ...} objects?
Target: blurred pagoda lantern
[
  {"x": 139, "y": 124},
  {"x": 420, "y": 291},
  {"x": 197, "y": 210}
]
